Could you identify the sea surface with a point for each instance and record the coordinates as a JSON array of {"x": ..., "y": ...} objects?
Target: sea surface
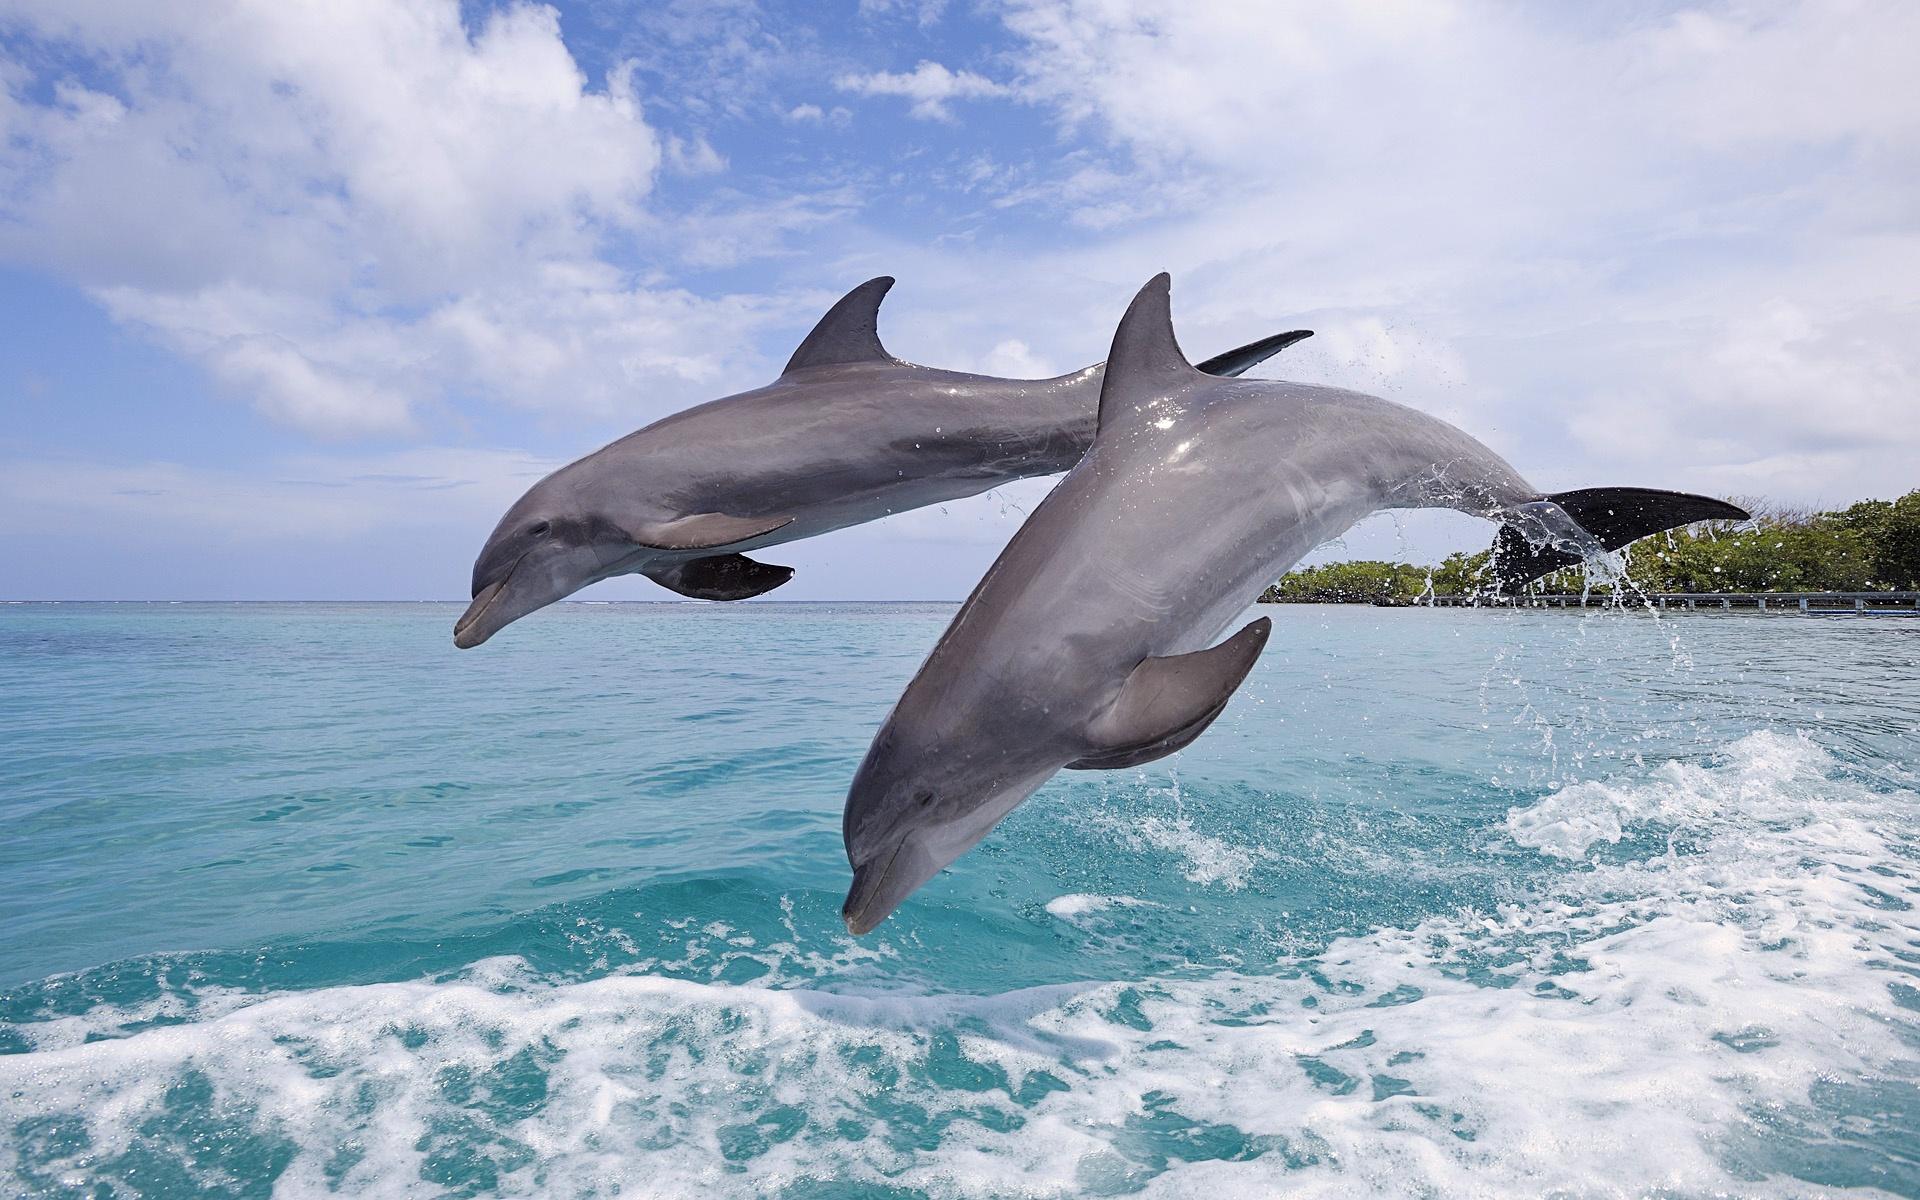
[{"x": 297, "y": 900}]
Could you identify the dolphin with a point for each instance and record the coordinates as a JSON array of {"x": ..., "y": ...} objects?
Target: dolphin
[
  {"x": 847, "y": 434},
  {"x": 1087, "y": 644}
]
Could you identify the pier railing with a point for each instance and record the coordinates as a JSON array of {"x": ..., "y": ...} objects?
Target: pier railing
[{"x": 1885, "y": 603}]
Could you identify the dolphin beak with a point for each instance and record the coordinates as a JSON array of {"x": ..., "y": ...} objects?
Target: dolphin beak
[
  {"x": 867, "y": 901},
  {"x": 468, "y": 632}
]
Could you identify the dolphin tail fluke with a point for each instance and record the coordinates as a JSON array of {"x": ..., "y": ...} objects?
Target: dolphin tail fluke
[
  {"x": 1241, "y": 359},
  {"x": 1613, "y": 517},
  {"x": 721, "y": 577},
  {"x": 1168, "y": 702}
]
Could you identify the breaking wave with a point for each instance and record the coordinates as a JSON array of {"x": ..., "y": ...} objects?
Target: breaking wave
[{"x": 1712, "y": 992}]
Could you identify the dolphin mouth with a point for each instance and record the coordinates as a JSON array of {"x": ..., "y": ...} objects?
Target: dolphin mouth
[
  {"x": 467, "y": 631},
  {"x": 858, "y": 912}
]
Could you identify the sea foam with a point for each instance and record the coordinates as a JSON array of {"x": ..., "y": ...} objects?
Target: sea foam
[{"x": 1702, "y": 1018}]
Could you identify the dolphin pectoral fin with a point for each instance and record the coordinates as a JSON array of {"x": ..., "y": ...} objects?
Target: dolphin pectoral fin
[
  {"x": 1241, "y": 359},
  {"x": 1168, "y": 702},
  {"x": 707, "y": 531},
  {"x": 1135, "y": 755},
  {"x": 721, "y": 577},
  {"x": 1614, "y": 517}
]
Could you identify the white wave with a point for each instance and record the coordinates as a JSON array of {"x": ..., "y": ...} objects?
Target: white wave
[
  {"x": 1203, "y": 858},
  {"x": 1076, "y": 907},
  {"x": 1760, "y": 777},
  {"x": 1656, "y": 1026}
]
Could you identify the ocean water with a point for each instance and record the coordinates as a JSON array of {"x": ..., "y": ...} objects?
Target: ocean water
[{"x": 296, "y": 900}]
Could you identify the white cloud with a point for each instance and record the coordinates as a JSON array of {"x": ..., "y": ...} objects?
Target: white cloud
[
  {"x": 286, "y": 384},
  {"x": 1772, "y": 399},
  {"x": 1015, "y": 359},
  {"x": 930, "y": 87},
  {"x": 924, "y": 12},
  {"x": 738, "y": 229},
  {"x": 695, "y": 157},
  {"x": 837, "y": 117},
  {"x": 303, "y": 499},
  {"x": 433, "y": 148},
  {"x": 1663, "y": 247},
  {"x": 345, "y": 211},
  {"x": 402, "y": 525},
  {"x": 1673, "y": 249}
]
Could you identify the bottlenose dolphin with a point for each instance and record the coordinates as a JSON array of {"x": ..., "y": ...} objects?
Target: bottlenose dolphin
[
  {"x": 847, "y": 434},
  {"x": 1085, "y": 645}
]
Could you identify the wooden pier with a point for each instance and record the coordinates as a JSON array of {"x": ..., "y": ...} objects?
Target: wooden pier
[{"x": 1900, "y": 604}]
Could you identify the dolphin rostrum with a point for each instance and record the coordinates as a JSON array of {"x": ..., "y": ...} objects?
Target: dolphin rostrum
[
  {"x": 1086, "y": 644},
  {"x": 847, "y": 434}
]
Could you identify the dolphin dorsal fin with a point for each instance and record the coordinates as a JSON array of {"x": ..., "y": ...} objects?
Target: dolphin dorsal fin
[
  {"x": 1241, "y": 359},
  {"x": 849, "y": 333},
  {"x": 1167, "y": 702},
  {"x": 1146, "y": 363}
]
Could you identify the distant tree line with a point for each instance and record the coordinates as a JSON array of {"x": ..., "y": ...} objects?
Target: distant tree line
[{"x": 1870, "y": 546}]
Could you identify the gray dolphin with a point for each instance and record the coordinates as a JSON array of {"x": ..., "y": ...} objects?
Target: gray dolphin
[
  {"x": 1085, "y": 645},
  {"x": 847, "y": 434}
]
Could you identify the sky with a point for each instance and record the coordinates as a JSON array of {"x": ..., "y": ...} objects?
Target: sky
[{"x": 296, "y": 298}]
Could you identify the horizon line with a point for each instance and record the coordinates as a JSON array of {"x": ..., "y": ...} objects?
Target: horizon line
[{"x": 367, "y": 600}]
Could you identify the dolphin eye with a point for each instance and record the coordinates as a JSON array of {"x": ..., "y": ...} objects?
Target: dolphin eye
[
  {"x": 923, "y": 797},
  {"x": 541, "y": 529}
]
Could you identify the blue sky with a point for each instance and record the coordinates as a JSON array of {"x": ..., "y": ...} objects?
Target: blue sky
[{"x": 297, "y": 297}]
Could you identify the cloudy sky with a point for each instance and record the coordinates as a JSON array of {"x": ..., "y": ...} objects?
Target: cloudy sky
[{"x": 296, "y": 297}]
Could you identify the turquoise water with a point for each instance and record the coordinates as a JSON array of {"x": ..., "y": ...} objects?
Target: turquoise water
[{"x": 298, "y": 900}]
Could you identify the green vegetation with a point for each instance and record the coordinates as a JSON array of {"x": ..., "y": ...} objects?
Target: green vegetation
[
  {"x": 1870, "y": 546},
  {"x": 1363, "y": 582}
]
